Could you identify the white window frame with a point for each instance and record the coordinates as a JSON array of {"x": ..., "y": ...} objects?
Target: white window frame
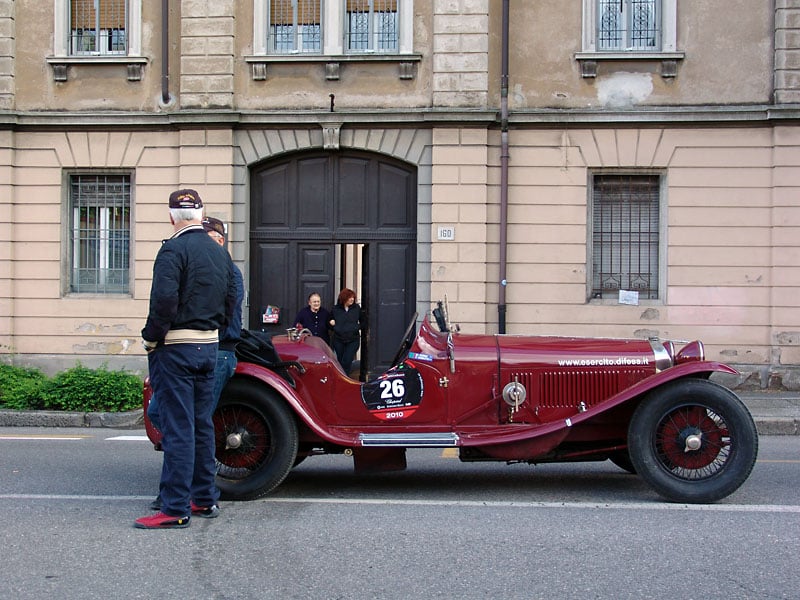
[
  {"x": 61, "y": 42},
  {"x": 333, "y": 26},
  {"x": 668, "y": 20}
]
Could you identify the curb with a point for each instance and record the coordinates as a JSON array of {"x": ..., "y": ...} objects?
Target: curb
[
  {"x": 53, "y": 418},
  {"x": 777, "y": 426}
]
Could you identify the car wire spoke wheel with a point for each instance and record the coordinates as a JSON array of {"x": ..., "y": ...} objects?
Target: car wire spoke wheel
[
  {"x": 692, "y": 441},
  {"x": 256, "y": 440},
  {"x": 243, "y": 440}
]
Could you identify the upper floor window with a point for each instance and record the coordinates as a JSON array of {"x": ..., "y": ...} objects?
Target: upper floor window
[
  {"x": 371, "y": 26},
  {"x": 632, "y": 26},
  {"x": 295, "y": 26},
  {"x": 626, "y": 238},
  {"x": 100, "y": 233},
  {"x": 98, "y": 29},
  {"x": 332, "y": 27},
  {"x": 628, "y": 25}
]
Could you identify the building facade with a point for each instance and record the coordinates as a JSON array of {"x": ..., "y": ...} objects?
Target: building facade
[{"x": 625, "y": 168}]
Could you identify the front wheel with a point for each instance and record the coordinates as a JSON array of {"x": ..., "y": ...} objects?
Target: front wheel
[
  {"x": 693, "y": 441},
  {"x": 256, "y": 440}
]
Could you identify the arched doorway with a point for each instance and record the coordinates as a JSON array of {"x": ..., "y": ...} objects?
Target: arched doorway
[{"x": 320, "y": 221}]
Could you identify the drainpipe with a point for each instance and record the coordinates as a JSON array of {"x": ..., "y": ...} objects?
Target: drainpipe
[
  {"x": 501, "y": 305},
  {"x": 165, "y": 52}
]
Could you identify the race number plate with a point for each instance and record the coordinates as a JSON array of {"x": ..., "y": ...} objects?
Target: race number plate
[{"x": 395, "y": 395}]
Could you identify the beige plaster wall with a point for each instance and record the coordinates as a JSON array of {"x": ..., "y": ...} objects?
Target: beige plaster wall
[
  {"x": 733, "y": 224},
  {"x": 39, "y": 315}
]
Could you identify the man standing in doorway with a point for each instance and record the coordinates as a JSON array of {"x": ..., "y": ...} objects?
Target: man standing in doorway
[{"x": 192, "y": 297}]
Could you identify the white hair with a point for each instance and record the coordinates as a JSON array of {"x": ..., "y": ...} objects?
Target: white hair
[{"x": 186, "y": 214}]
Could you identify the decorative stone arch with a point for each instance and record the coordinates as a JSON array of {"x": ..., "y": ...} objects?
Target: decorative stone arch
[{"x": 413, "y": 146}]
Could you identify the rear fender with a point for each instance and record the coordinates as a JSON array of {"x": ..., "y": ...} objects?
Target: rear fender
[{"x": 300, "y": 408}]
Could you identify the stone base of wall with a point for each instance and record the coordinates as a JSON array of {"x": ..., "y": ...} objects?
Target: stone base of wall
[
  {"x": 761, "y": 377},
  {"x": 52, "y": 364}
]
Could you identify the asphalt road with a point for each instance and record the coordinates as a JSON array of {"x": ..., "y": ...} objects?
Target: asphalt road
[{"x": 441, "y": 529}]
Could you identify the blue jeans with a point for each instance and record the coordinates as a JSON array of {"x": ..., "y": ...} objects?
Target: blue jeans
[
  {"x": 182, "y": 376},
  {"x": 226, "y": 366}
]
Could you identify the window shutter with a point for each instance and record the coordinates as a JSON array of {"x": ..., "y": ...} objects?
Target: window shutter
[
  {"x": 83, "y": 15},
  {"x": 282, "y": 12}
]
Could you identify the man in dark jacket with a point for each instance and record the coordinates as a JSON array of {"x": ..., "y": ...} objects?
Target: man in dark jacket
[
  {"x": 192, "y": 297},
  {"x": 228, "y": 337}
]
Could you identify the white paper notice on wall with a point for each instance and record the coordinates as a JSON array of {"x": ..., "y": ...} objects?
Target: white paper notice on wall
[
  {"x": 446, "y": 232},
  {"x": 629, "y": 297}
]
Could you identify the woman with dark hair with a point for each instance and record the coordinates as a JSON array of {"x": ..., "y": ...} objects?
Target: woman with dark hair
[{"x": 346, "y": 324}]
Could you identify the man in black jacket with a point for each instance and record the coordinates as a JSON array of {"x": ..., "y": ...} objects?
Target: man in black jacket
[{"x": 192, "y": 297}]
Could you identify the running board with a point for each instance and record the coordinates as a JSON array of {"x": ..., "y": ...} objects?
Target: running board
[{"x": 409, "y": 440}]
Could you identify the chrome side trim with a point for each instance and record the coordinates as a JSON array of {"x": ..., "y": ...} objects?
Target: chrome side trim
[
  {"x": 409, "y": 440},
  {"x": 662, "y": 358}
]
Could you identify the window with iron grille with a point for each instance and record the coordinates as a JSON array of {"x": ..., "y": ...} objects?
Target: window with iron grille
[
  {"x": 371, "y": 26},
  {"x": 98, "y": 27},
  {"x": 100, "y": 229},
  {"x": 295, "y": 26},
  {"x": 628, "y": 25},
  {"x": 626, "y": 237}
]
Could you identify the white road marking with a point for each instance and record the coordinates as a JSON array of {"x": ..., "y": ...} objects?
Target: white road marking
[
  {"x": 56, "y": 438},
  {"x": 129, "y": 438},
  {"x": 661, "y": 506}
]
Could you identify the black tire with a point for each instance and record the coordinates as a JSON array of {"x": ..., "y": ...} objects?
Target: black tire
[
  {"x": 256, "y": 439},
  {"x": 693, "y": 441}
]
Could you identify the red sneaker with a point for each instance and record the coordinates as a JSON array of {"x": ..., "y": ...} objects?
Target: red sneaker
[
  {"x": 161, "y": 521},
  {"x": 205, "y": 512}
]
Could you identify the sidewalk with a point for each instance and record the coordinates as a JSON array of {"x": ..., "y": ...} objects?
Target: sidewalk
[{"x": 775, "y": 413}]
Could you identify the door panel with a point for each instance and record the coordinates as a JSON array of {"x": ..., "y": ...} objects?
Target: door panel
[
  {"x": 316, "y": 273},
  {"x": 314, "y": 208},
  {"x": 271, "y": 263},
  {"x": 397, "y": 209},
  {"x": 390, "y": 315}
]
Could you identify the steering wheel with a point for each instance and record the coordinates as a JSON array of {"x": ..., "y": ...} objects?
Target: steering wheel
[{"x": 406, "y": 342}]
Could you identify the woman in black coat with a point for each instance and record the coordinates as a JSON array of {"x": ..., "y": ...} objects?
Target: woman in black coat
[{"x": 346, "y": 324}]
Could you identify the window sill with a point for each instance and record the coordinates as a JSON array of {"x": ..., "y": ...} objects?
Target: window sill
[
  {"x": 668, "y": 60},
  {"x": 405, "y": 62},
  {"x": 60, "y": 64}
]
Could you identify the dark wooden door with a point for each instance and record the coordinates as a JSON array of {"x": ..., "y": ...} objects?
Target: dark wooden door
[{"x": 305, "y": 205}]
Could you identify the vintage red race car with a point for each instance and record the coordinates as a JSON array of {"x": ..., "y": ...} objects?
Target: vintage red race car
[{"x": 646, "y": 405}]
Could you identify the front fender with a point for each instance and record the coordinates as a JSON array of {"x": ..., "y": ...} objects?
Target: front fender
[{"x": 691, "y": 369}]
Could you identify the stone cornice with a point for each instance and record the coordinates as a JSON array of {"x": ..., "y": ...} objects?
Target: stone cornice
[{"x": 694, "y": 115}]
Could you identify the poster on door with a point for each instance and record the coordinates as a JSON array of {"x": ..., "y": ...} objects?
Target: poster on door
[{"x": 395, "y": 395}]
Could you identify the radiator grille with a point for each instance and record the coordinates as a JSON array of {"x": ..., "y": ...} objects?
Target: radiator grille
[{"x": 569, "y": 388}]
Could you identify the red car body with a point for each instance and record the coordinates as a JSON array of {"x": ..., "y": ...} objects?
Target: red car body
[{"x": 641, "y": 403}]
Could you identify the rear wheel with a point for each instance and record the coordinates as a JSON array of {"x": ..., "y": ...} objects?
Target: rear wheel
[
  {"x": 256, "y": 440},
  {"x": 693, "y": 441}
]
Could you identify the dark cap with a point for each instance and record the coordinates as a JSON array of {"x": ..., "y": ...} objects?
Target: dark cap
[
  {"x": 185, "y": 199},
  {"x": 212, "y": 224}
]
